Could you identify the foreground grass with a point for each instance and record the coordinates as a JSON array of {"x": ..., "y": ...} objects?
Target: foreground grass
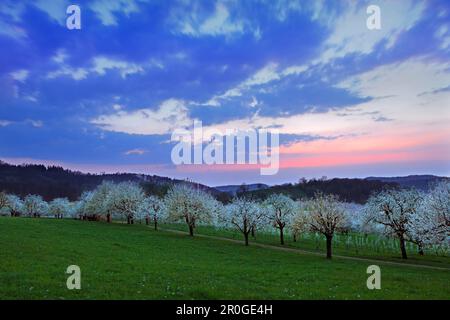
[
  {"x": 134, "y": 262},
  {"x": 309, "y": 243}
]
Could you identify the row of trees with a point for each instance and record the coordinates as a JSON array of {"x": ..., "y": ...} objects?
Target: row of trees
[
  {"x": 35, "y": 206},
  {"x": 408, "y": 215}
]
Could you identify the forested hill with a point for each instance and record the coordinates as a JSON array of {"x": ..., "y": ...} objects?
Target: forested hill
[
  {"x": 53, "y": 182},
  {"x": 349, "y": 190},
  {"x": 421, "y": 182}
]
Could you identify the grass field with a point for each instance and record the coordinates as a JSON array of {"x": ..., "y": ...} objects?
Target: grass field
[
  {"x": 352, "y": 245},
  {"x": 120, "y": 261}
]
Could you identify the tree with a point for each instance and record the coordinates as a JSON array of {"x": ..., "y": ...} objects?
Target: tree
[
  {"x": 99, "y": 204},
  {"x": 34, "y": 206},
  {"x": 15, "y": 205},
  {"x": 438, "y": 202},
  {"x": 281, "y": 209},
  {"x": 58, "y": 207},
  {"x": 244, "y": 214},
  {"x": 300, "y": 221},
  {"x": 73, "y": 209},
  {"x": 84, "y": 204},
  {"x": 428, "y": 226},
  {"x": 326, "y": 216},
  {"x": 126, "y": 198},
  {"x": 394, "y": 209},
  {"x": 189, "y": 204},
  {"x": 3, "y": 200},
  {"x": 153, "y": 207}
]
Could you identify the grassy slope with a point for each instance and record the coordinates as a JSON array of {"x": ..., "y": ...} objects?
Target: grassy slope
[
  {"x": 430, "y": 259},
  {"x": 134, "y": 262}
]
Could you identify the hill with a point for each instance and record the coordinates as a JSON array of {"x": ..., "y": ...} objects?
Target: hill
[
  {"x": 421, "y": 182},
  {"x": 53, "y": 182},
  {"x": 234, "y": 189},
  {"x": 349, "y": 190}
]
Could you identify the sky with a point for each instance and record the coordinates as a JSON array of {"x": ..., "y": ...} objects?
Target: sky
[{"x": 347, "y": 101}]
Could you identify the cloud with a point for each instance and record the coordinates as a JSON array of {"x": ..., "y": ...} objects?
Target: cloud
[
  {"x": 12, "y": 9},
  {"x": 443, "y": 35},
  {"x": 35, "y": 123},
  {"x": 409, "y": 78},
  {"x": 74, "y": 73},
  {"x": 294, "y": 70},
  {"x": 219, "y": 23},
  {"x": 99, "y": 65},
  {"x": 20, "y": 75},
  {"x": 170, "y": 115},
  {"x": 215, "y": 100},
  {"x": 4, "y": 123},
  {"x": 253, "y": 103},
  {"x": 349, "y": 33},
  {"x": 12, "y": 31},
  {"x": 397, "y": 105},
  {"x": 361, "y": 136},
  {"x": 103, "y": 64},
  {"x": 284, "y": 7},
  {"x": 135, "y": 152},
  {"x": 55, "y": 9},
  {"x": 267, "y": 74},
  {"x": 60, "y": 57},
  {"x": 106, "y": 10},
  {"x": 197, "y": 23},
  {"x": 12, "y": 17}
]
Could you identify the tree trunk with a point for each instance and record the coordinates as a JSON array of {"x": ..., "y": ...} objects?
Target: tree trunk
[
  {"x": 253, "y": 231},
  {"x": 329, "y": 247},
  {"x": 191, "y": 230},
  {"x": 295, "y": 237},
  {"x": 147, "y": 220},
  {"x": 108, "y": 217},
  {"x": 281, "y": 235},
  {"x": 155, "y": 221},
  {"x": 421, "y": 253},
  {"x": 246, "y": 238},
  {"x": 402, "y": 247},
  {"x": 128, "y": 220}
]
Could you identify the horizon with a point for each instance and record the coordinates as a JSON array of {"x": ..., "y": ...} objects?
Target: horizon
[
  {"x": 221, "y": 185},
  {"x": 348, "y": 101}
]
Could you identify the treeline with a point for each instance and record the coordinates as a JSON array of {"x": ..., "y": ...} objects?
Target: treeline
[
  {"x": 51, "y": 182},
  {"x": 348, "y": 190}
]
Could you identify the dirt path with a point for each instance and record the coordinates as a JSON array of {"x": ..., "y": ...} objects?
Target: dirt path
[{"x": 300, "y": 251}]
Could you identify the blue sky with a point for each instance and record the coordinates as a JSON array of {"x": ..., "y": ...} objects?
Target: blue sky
[{"x": 348, "y": 101}]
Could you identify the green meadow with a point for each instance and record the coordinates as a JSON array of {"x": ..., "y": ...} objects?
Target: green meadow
[{"x": 120, "y": 261}]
